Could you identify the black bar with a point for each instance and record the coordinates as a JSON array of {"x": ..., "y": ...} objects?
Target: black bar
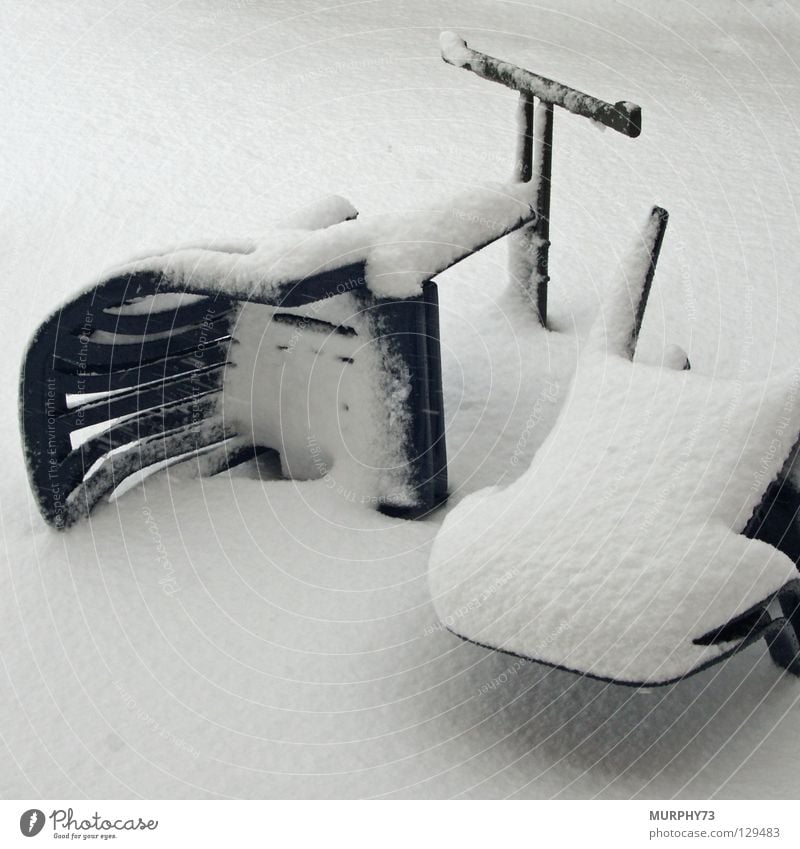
[
  {"x": 156, "y": 321},
  {"x": 117, "y": 467},
  {"x": 84, "y": 354},
  {"x": 433, "y": 358},
  {"x": 661, "y": 217},
  {"x": 215, "y": 354},
  {"x": 306, "y": 322},
  {"x": 544, "y": 166},
  {"x": 405, "y": 330},
  {"x": 525, "y": 139},
  {"x": 140, "y": 399}
]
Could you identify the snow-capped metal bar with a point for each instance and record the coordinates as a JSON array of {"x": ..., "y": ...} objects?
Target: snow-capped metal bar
[
  {"x": 407, "y": 330},
  {"x": 525, "y": 136},
  {"x": 540, "y": 231},
  {"x": 530, "y": 248},
  {"x": 624, "y": 117}
]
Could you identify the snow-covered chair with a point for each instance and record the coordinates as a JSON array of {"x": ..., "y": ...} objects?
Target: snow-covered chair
[
  {"x": 655, "y": 531},
  {"x": 319, "y": 341}
]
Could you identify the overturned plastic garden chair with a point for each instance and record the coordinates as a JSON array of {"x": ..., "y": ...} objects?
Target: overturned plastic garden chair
[
  {"x": 321, "y": 344},
  {"x": 655, "y": 531}
]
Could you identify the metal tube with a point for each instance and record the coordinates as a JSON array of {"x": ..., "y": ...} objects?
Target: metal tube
[
  {"x": 542, "y": 167},
  {"x": 524, "y": 163},
  {"x": 624, "y": 117}
]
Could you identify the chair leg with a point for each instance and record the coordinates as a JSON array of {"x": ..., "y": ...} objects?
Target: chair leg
[{"x": 782, "y": 633}]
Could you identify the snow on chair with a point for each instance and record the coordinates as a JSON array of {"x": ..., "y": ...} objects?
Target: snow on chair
[
  {"x": 321, "y": 344},
  {"x": 655, "y": 531}
]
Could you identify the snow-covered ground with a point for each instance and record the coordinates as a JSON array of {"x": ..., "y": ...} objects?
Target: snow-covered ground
[{"x": 233, "y": 637}]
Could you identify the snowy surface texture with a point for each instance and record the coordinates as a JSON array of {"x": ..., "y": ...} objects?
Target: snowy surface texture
[
  {"x": 240, "y": 637},
  {"x": 620, "y": 544}
]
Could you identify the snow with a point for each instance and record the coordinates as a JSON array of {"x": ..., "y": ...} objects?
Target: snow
[
  {"x": 320, "y": 399},
  {"x": 321, "y": 213},
  {"x": 401, "y": 250},
  {"x": 613, "y": 330},
  {"x": 318, "y": 214},
  {"x": 454, "y": 49},
  {"x": 317, "y": 395},
  {"x": 621, "y": 543},
  {"x": 238, "y": 636},
  {"x": 154, "y": 303}
]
